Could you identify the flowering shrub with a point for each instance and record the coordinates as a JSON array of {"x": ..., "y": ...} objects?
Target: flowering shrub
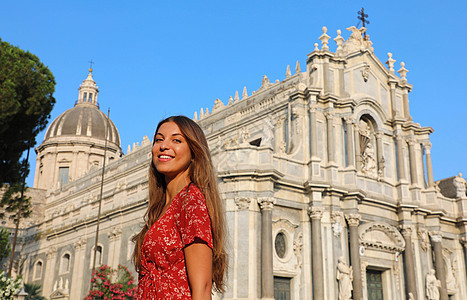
[
  {"x": 9, "y": 286},
  {"x": 110, "y": 284}
]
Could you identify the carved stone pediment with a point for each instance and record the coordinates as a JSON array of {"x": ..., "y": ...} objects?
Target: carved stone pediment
[
  {"x": 381, "y": 236},
  {"x": 59, "y": 295}
]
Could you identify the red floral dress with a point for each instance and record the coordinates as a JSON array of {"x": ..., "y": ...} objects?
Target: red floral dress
[{"x": 163, "y": 271}]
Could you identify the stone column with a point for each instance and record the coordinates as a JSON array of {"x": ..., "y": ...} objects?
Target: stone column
[
  {"x": 379, "y": 151},
  {"x": 49, "y": 271},
  {"x": 313, "y": 132},
  {"x": 350, "y": 152},
  {"x": 437, "y": 239},
  {"x": 405, "y": 99},
  {"x": 429, "y": 166},
  {"x": 358, "y": 155},
  {"x": 114, "y": 246},
  {"x": 463, "y": 241},
  {"x": 330, "y": 135},
  {"x": 400, "y": 157},
  {"x": 327, "y": 86},
  {"x": 78, "y": 269},
  {"x": 267, "y": 277},
  {"x": 316, "y": 213},
  {"x": 353, "y": 221},
  {"x": 409, "y": 263},
  {"x": 413, "y": 162}
]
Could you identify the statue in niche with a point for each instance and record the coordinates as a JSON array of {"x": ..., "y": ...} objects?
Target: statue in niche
[
  {"x": 432, "y": 286},
  {"x": 345, "y": 277},
  {"x": 369, "y": 160},
  {"x": 268, "y": 133},
  {"x": 450, "y": 279}
]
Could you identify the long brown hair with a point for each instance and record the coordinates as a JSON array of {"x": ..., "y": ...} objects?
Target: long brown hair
[{"x": 202, "y": 174}]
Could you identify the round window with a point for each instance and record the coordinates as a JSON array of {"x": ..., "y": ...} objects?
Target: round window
[{"x": 280, "y": 244}]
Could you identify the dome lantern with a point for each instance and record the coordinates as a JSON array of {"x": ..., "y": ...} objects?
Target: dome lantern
[{"x": 88, "y": 91}]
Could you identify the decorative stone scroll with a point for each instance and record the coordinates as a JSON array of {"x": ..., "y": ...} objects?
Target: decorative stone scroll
[
  {"x": 353, "y": 219},
  {"x": 422, "y": 235},
  {"x": 115, "y": 233},
  {"x": 337, "y": 222},
  {"x": 297, "y": 249},
  {"x": 266, "y": 203},
  {"x": 242, "y": 203},
  {"x": 381, "y": 236},
  {"x": 315, "y": 212}
]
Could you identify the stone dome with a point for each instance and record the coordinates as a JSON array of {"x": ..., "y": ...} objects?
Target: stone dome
[{"x": 83, "y": 121}]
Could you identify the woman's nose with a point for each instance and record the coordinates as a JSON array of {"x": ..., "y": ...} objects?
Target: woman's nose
[{"x": 164, "y": 145}]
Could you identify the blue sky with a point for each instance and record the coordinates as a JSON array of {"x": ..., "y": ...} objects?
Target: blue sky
[{"x": 158, "y": 58}]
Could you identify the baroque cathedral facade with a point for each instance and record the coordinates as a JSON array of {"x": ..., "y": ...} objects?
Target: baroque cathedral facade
[{"x": 326, "y": 178}]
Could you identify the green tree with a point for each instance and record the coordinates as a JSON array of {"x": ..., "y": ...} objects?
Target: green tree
[
  {"x": 33, "y": 291},
  {"x": 26, "y": 100},
  {"x": 4, "y": 243}
]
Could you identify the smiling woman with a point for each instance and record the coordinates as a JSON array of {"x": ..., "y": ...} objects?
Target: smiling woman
[{"x": 179, "y": 253}]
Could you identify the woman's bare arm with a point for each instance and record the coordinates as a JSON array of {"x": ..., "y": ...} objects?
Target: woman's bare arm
[{"x": 198, "y": 259}]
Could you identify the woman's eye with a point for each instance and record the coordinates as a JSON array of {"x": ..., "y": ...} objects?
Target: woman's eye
[
  {"x": 177, "y": 141},
  {"x": 158, "y": 140}
]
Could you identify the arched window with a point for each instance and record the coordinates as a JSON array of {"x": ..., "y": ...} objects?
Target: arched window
[
  {"x": 85, "y": 96},
  {"x": 37, "y": 275},
  {"x": 98, "y": 256},
  {"x": 65, "y": 263}
]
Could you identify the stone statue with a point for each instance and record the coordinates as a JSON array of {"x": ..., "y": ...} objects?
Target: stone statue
[
  {"x": 369, "y": 160},
  {"x": 459, "y": 183},
  {"x": 345, "y": 277},
  {"x": 355, "y": 42},
  {"x": 432, "y": 286},
  {"x": 411, "y": 296},
  {"x": 268, "y": 133}
]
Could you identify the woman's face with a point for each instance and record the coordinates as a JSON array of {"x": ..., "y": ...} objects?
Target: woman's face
[{"x": 171, "y": 154}]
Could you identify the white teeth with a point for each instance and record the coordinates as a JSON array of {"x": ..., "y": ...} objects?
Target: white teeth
[{"x": 164, "y": 156}]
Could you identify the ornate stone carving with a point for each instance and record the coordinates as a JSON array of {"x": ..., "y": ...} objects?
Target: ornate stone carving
[
  {"x": 244, "y": 135},
  {"x": 268, "y": 132},
  {"x": 432, "y": 285},
  {"x": 407, "y": 230},
  {"x": 324, "y": 38},
  {"x": 297, "y": 249},
  {"x": 369, "y": 161},
  {"x": 390, "y": 62},
  {"x": 79, "y": 243},
  {"x": 381, "y": 236},
  {"x": 353, "y": 219},
  {"x": 115, "y": 233},
  {"x": 356, "y": 42},
  {"x": 337, "y": 222},
  {"x": 51, "y": 252},
  {"x": 422, "y": 234},
  {"x": 436, "y": 236},
  {"x": 242, "y": 203},
  {"x": 365, "y": 72},
  {"x": 266, "y": 203},
  {"x": 345, "y": 278},
  {"x": 450, "y": 264},
  {"x": 315, "y": 212},
  {"x": 460, "y": 184}
]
